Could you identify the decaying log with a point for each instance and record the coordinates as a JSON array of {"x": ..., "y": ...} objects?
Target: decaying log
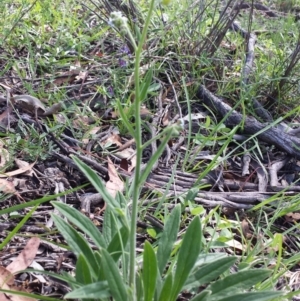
[{"x": 273, "y": 135}]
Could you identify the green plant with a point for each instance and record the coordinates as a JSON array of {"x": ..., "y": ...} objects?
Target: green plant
[{"x": 163, "y": 274}]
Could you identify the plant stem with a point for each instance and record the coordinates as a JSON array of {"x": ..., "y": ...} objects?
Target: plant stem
[{"x": 139, "y": 150}]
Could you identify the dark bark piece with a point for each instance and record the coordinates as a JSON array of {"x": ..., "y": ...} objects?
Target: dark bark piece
[
  {"x": 261, "y": 175},
  {"x": 272, "y": 135},
  {"x": 251, "y": 40}
]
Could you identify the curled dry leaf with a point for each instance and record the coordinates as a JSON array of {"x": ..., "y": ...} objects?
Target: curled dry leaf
[
  {"x": 246, "y": 229},
  {"x": 128, "y": 154},
  {"x": 17, "y": 171},
  {"x": 24, "y": 164},
  {"x": 236, "y": 245},
  {"x": 7, "y": 186},
  {"x": 82, "y": 75},
  {"x": 292, "y": 217},
  {"x": 112, "y": 139}
]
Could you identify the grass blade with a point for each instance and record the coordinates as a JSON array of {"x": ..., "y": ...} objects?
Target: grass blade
[{"x": 17, "y": 228}]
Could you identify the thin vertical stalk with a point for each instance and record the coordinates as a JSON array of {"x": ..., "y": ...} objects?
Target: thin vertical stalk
[{"x": 138, "y": 141}]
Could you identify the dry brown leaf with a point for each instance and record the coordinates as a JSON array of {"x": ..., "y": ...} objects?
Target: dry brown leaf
[
  {"x": 124, "y": 164},
  {"x": 114, "y": 184},
  {"x": 143, "y": 70},
  {"x": 24, "y": 164},
  {"x": 14, "y": 297},
  {"x": 7, "y": 186},
  {"x": 82, "y": 75},
  {"x": 3, "y": 297},
  {"x": 292, "y": 217},
  {"x": 66, "y": 78},
  {"x": 4, "y": 155},
  {"x": 4, "y": 117},
  {"x": 236, "y": 245},
  {"x": 112, "y": 139},
  {"x": 128, "y": 154},
  {"x": 90, "y": 133},
  {"x": 17, "y": 171},
  {"x": 26, "y": 256},
  {"x": 6, "y": 277},
  {"x": 80, "y": 122},
  {"x": 166, "y": 120},
  {"x": 245, "y": 228}
]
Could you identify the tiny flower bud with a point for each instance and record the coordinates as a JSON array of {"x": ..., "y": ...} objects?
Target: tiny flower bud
[{"x": 117, "y": 20}]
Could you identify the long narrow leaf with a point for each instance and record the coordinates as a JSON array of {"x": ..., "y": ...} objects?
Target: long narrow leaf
[
  {"x": 165, "y": 293},
  {"x": 139, "y": 290},
  {"x": 156, "y": 155},
  {"x": 109, "y": 228},
  {"x": 96, "y": 182},
  {"x": 37, "y": 202},
  {"x": 23, "y": 294},
  {"x": 146, "y": 84},
  {"x": 83, "y": 273},
  {"x": 149, "y": 271},
  {"x": 235, "y": 283},
  {"x": 118, "y": 243},
  {"x": 203, "y": 296},
  {"x": 77, "y": 243},
  {"x": 255, "y": 296},
  {"x": 95, "y": 291},
  {"x": 125, "y": 119},
  {"x": 209, "y": 272},
  {"x": 168, "y": 238},
  {"x": 187, "y": 256},
  {"x": 17, "y": 228},
  {"x": 114, "y": 279},
  {"x": 82, "y": 222}
]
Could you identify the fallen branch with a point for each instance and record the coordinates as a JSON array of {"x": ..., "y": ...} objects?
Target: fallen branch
[{"x": 272, "y": 135}]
